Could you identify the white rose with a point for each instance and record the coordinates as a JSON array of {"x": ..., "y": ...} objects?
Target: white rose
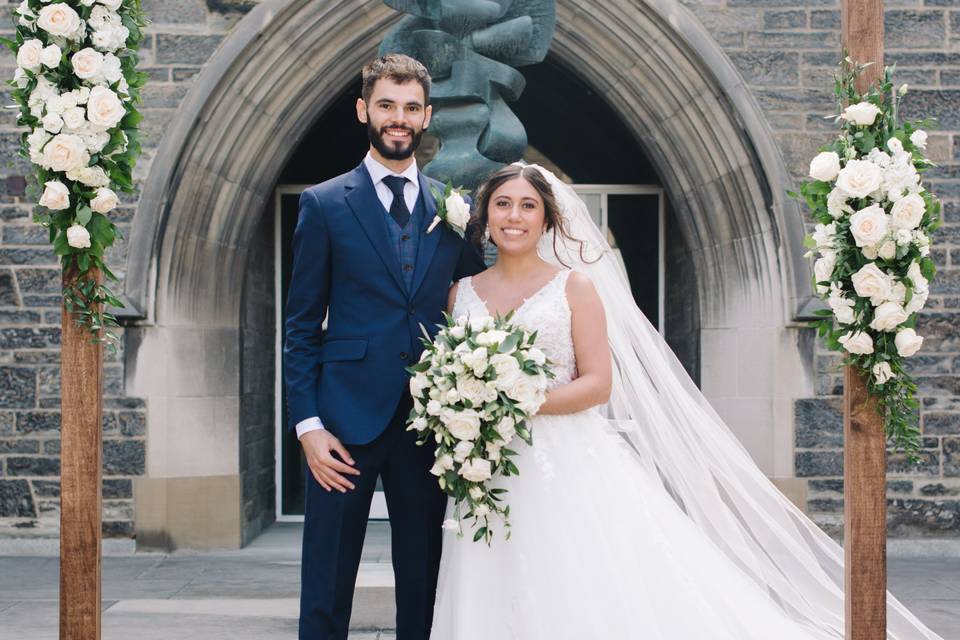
[
  {"x": 862, "y": 113},
  {"x": 445, "y": 461},
  {"x": 823, "y": 235},
  {"x": 52, "y": 123},
  {"x": 868, "y": 225},
  {"x": 110, "y": 38},
  {"x": 96, "y": 141},
  {"x": 59, "y": 19},
  {"x": 458, "y": 332},
  {"x": 895, "y": 146},
  {"x": 522, "y": 390},
  {"x": 842, "y": 307},
  {"x": 87, "y": 63},
  {"x": 111, "y": 4},
  {"x": 859, "y": 178},
  {"x": 919, "y": 139},
  {"x": 858, "y": 342},
  {"x": 538, "y": 356},
  {"x": 823, "y": 270},
  {"x": 871, "y": 282},
  {"x": 452, "y": 525},
  {"x": 75, "y": 118},
  {"x": 458, "y": 213},
  {"x": 65, "y": 152},
  {"x": 55, "y": 196},
  {"x": 837, "y": 203},
  {"x": 917, "y": 300},
  {"x": 419, "y": 423},
  {"x": 50, "y": 56},
  {"x": 29, "y": 55},
  {"x": 908, "y": 342},
  {"x": 481, "y": 510},
  {"x": 104, "y": 108},
  {"x": 476, "y": 493},
  {"x": 20, "y": 78},
  {"x": 505, "y": 365},
  {"x": 433, "y": 408},
  {"x": 492, "y": 337},
  {"x": 476, "y": 470},
  {"x": 111, "y": 70},
  {"x": 825, "y": 166},
  {"x": 916, "y": 277},
  {"x": 82, "y": 95},
  {"x": 888, "y": 250},
  {"x": 481, "y": 323},
  {"x": 462, "y": 450},
  {"x": 78, "y": 237},
  {"x": 103, "y": 18},
  {"x": 90, "y": 176},
  {"x": 907, "y": 212},
  {"x": 882, "y": 372},
  {"x": 418, "y": 383},
  {"x": 452, "y": 397},
  {"x": 464, "y": 425},
  {"x": 900, "y": 176},
  {"x": 879, "y": 157},
  {"x": 888, "y": 316},
  {"x": 506, "y": 428},
  {"x": 35, "y": 141},
  {"x": 922, "y": 241},
  {"x": 56, "y": 104},
  {"x": 493, "y": 452},
  {"x": 436, "y": 469},
  {"x": 898, "y": 292}
]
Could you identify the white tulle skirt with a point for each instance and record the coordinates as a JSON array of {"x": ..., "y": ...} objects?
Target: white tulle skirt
[{"x": 598, "y": 550}]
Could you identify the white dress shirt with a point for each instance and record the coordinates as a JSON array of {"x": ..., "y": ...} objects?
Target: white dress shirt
[{"x": 411, "y": 191}]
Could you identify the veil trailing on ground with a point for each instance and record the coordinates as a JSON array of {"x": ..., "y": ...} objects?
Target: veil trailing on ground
[{"x": 676, "y": 434}]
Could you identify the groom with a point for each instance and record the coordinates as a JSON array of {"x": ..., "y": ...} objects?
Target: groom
[{"x": 362, "y": 254}]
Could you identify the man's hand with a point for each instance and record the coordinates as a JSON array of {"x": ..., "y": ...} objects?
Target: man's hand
[{"x": 319, "y": 447}]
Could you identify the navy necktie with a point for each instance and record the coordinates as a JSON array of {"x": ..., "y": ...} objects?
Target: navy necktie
[{"x": 398, "y": 208}]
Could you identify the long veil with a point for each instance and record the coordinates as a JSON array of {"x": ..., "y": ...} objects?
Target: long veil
[{"x": 676, "y": 433}]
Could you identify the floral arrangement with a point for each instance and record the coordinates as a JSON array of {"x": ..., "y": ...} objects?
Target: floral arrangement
[
  {"x": 77, "y": 88},
  {"x": 874, "y": 221},
  {"x": 474, "y": 388}
]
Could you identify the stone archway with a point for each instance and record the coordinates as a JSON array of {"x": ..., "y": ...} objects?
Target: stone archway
[{"x": 276, "y": 73}]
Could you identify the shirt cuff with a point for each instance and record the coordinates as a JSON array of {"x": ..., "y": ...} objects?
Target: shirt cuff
[{"x": 310, "y": 424}]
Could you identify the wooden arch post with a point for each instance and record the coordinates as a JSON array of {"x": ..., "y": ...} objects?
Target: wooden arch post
[{"x": 864, "y": 448}]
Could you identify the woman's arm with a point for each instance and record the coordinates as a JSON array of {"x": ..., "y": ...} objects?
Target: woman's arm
[
  {"x": 589, "y": 327},
  {"x": 452, "y": 297}
]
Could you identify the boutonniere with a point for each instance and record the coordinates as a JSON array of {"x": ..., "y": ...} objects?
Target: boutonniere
[{"x": 451, "y": 208}]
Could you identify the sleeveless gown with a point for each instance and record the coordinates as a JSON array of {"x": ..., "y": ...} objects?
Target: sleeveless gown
[{"x": 598, "y": 548}]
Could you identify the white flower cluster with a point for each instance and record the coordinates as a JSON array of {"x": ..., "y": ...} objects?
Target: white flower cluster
[
  {"x": 473, "y": 390},
  {"x": 876, "y": 199},
  {"x": 74, "y": 125}
]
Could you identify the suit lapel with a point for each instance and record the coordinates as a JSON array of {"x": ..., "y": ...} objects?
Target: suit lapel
[
  {"x": 427, "y": 245},
  {"x": 366, "y": 206}
]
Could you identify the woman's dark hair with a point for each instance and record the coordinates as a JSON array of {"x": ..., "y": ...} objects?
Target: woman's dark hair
[{"x": 537, "y": 180}]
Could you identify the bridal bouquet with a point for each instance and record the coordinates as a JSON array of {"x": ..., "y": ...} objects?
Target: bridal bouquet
[
  {"x": 474, "y": 388},
  {"x": 872, "y": 238}
]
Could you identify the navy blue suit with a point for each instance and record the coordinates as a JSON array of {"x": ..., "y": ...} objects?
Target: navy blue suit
[{"x": 353, "y": 377}]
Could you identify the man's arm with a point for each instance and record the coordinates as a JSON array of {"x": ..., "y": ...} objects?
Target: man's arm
[{"x": 306, "y": 309}]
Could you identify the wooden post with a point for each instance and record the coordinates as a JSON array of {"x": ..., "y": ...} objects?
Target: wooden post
[
  {"x": 81, "y": 376},
  {"x": 864, "y": 449}
]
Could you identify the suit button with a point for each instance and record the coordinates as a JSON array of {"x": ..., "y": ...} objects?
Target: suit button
[
  {"x": 411, "y": 311},
  {"x": 408, "y": 267},
  {"x": 403, "y": 355},
  {"x": 405, "y": 237}
]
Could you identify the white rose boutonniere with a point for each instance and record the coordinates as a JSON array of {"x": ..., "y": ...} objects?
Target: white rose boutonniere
[{"x": 452, "y": 209}]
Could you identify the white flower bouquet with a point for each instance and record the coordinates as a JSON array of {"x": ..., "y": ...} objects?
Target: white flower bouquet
[
  {"x": 874, "y": 220},
  {"x": 474, "y": 389}
]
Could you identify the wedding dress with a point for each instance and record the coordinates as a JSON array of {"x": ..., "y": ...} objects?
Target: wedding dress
[{"x": 644, "y": 518}]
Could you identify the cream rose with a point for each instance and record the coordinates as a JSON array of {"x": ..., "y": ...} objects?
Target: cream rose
[
  {"x": 418, "y": 383},
  {"x": 90, "y": 176},
  {"x": 65, "y": 152},
  {"x": 888, "y": 316},
  {"x": 871, "y": 282},
  {"x": 882, "y": 372},
  {"x": 919, "y": 139},
  {"x": 52, "y": 123},
  {"x": 888, "y": 250},
  {"x": 78, "y": 237},
  {"x": 87, "y": 63},
  {"x": 476, "y": 470},
  {"x": 859, "y": 178},
  {"x": 59, "y": 19},
  {"x": 869, "y": 225},
  {"x": 857, "y": 342},
  {"x": 825, "y": 166},
  {"x": 104, "y": 108},
  {"x": 462, "y": 450},
  {"x": 50, "y": 56},
  {"x": 823, "y": 270},
  {"x": 907, "y": 212},
  {"x": 458, "y": 212},
  {"x": 74, "y": 118},
  {"x": 29, "y": 54},
  {"x": 837, "y": 203},
  {"x": 522, "y": 390},
  {"x": 506, "y": 428},
  {"x": 862, "y": 113},
  {"x": 908, "y": 342},
  {"x": 842, "y": 308},
  {"x": 492, "y": 337},
  {"x": 55, "y": 196},
  {"x": 464, "y": 425}
]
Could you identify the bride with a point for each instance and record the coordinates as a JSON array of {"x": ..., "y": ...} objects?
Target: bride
[{"x": 637, "y": 513}]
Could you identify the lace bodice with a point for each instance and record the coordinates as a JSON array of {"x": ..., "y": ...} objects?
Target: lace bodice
[{"x": 545, "y": 312}]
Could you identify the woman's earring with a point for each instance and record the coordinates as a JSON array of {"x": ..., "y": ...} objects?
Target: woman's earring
[{"x": 486, "y": 233}]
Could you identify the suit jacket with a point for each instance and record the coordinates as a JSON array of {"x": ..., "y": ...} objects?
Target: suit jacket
[{"x": 353, "y": 375}]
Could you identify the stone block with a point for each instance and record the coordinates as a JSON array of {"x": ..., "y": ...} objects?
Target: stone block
[
  {"x": 825, "y": 19},
  {"x": 25, "y": 234},
  {"x": 951, "y": 457},
  {"x": 939, "y": 424},
  {"x": 38, "y": 421},
  {"x": 33, "y": 466},
  {"x": 791, "y": 19},
  {"x": 123, "y": 457},
  {"x": 8, "y": 289},
  {"x": 18, "y": 387},
  {"x": 16, "y": 501},
  {"x": 916, "y": 517},
  {"x": 792, "y": 40},
  {"x": 46, "y": 488},
  {"x": 117, "y": 488},
  {"x": 908, "y": 29},
  {"x": 19, "y": 445},
  {"x": 29, "y": 338},
  {"x": 185, "y": 49},
  {"x": 767, "y": 67},
  {"x": 819, "y": 463},
  {"x": 818, "y": 423}
]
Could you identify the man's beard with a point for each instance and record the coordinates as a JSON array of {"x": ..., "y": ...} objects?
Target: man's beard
[{"x": 388, "y": 150}]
